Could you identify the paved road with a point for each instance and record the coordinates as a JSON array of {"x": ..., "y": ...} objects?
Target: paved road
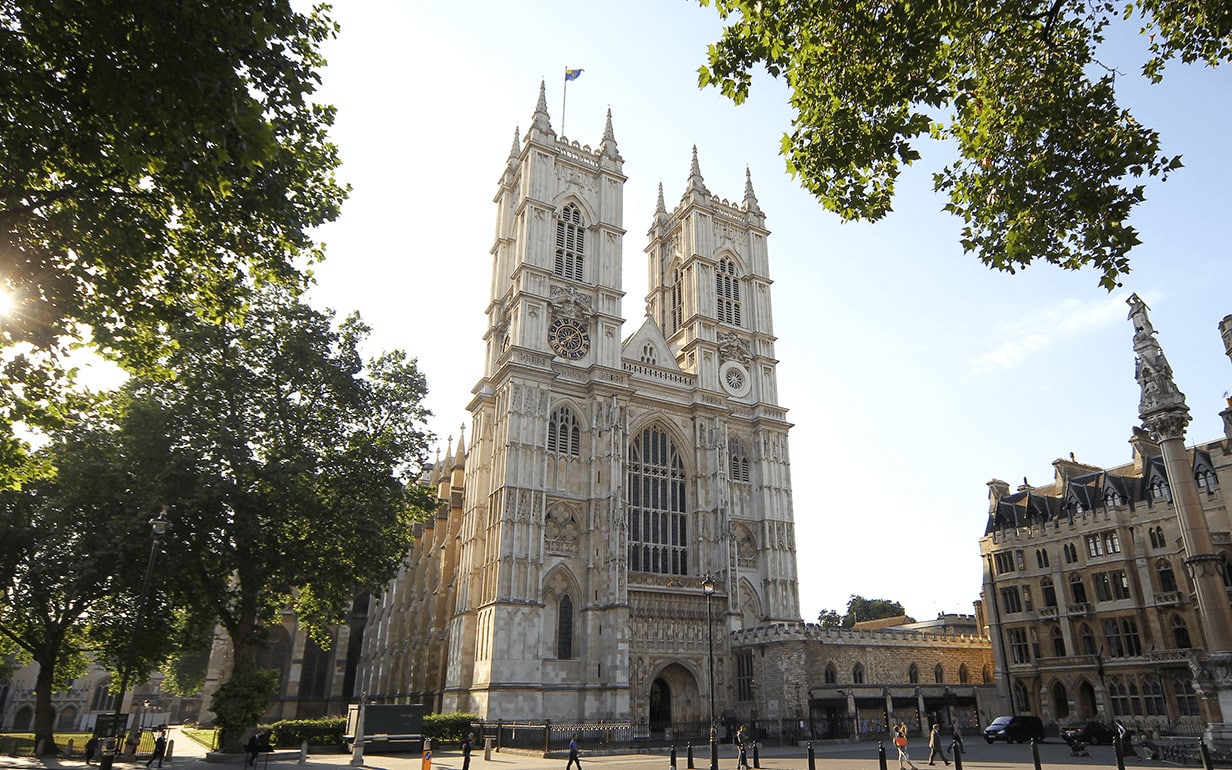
[{"x": 189, "y": 755}]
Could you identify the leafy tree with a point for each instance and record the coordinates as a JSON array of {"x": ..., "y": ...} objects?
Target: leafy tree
[
  {"x": 830, "y": 619},
  {"x": 859, "y": 608},
  {"x": 153, "y": 157},
  {"x": 291, "y": 468},
  {"x": 74, "y": 556},
  {"x": 1049, "y": 165}
]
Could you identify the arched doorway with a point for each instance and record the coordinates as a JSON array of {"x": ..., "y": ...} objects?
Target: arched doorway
[
  {"x": 660, "y": 706},
  {"x": 1087, "y": 708},
  {"x": 23, "y": 720}
]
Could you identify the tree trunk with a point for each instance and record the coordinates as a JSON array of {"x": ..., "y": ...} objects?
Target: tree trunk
[{"x": 43, "y": 716}]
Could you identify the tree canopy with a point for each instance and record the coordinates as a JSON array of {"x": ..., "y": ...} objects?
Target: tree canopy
[
  {"x": 1049, "y": 164},
  {"x": 858, "y": 609},
  {"x": 153, "y": 157}
]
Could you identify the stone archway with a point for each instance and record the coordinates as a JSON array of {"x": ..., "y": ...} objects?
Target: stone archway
[
  {"x": 1086, "y": 705},
  {"x": 675, "y": 698},
  {"x": 1060, "y": 701}
]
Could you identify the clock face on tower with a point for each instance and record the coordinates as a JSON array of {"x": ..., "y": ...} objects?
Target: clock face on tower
[{"x": 569, "y": 338}]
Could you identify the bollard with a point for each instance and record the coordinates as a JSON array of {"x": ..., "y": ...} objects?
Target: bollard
[
  {"x": 1206, "y": 755},
  {"x": 881, "y": 759},
  {"x": 756, "y": 757},
  {"x": 303, "y": 752},
  {"x": 427, "y": 760},
  {"x": 690, "y": 759},
  {"x": 1119, "y": 750},
  {"x": 812, "y": 762},
  {"x": 487, "y": 748},
  {"x": 41, "y": 748},
  {"x": 69, "y": 748},
  {"x": 673, "y": 761},
  {"x": 714, "y": 754},
  {"x": 168, "y": 757},
  {"x": 956, "y": 747},
  {"x": 1035, "y": 753}
]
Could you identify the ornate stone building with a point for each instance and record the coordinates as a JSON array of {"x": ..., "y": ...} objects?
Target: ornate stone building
[
  {"x": 608, "y": 472},
  {"x": 1108, "y": 588}
]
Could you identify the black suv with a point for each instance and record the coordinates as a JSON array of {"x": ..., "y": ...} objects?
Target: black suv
[{"x": 1018, "y": 729}]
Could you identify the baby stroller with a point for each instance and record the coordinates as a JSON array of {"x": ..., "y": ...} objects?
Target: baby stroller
[{"x": 1077, "y": 747}]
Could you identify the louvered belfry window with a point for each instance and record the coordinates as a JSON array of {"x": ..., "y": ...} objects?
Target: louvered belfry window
[
  {"x": 570, "y": 244},
  {"x": 727, "y": 290}
]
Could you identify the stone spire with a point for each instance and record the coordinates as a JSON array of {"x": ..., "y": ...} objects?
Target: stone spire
[
  {"x": 608, "y": 147},
  {"x": 1162, "y": 407},
  {"x": 459, "y": 459},
  {"x": 541, "y": 122},
  {"x": 696, "y": 183},
  {"x": 750, "y": 198}
]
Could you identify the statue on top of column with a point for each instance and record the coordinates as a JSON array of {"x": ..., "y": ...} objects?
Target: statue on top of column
[{"x": 1162, "y": 402}]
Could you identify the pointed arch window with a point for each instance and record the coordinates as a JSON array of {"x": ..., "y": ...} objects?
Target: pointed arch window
[
  {"x": 1058, "y": 643},
  {"x": 570, "y": 244},
  {"x": 564, "y": 629},
  {"x": 964, "y": 674},
  {"x": 677, "y": 300},
  {"x": 564, "y": 436},
  {"x": 1167, "y": 578},
  {"x": 986, "y": 675},
  {"x": 939, "y": 674},
  {"x": 1186, "y": 697},
  {"x": 1088, "y": 640},
  {"x": 103, "y": 699},
  {"x": 727, "y": 291},
  {"x": 739, "y": 470},
  {"x": 658, "y": 525},
  {"x": 857, "y": 673},
  {"x": 1180, "y": 634},
  {"x": 1049, "y": 591},
  {"x": 1157, "y": 537},
  {"x": 831, "y": 673},
  {"x": 913, "y": 674}
]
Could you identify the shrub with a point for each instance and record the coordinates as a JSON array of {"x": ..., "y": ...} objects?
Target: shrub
[
  {"x": 448, "y": 728},
  {"x": 326, "y": 731}
]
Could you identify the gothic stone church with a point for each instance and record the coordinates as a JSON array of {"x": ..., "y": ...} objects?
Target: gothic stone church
[{"x": 608, "y": 472}]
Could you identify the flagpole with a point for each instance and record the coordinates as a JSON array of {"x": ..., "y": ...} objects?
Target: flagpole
[{"x": 564, "y": 94}]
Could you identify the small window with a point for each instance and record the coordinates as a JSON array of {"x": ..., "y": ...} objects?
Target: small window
[
  {"x": 1078, "y": 589},
  {"x": 1058, "y": 643},
  {"x": 648, "y": 355},
  {"x": 857, "y": 674},
  {"x": 1049, "y": 591},
  {"x": 739, "y": 469},
  {"x": 964, "y": 674},
  {"x": 1167, "y": 578},
  {"x": 1041, "y": 558},
  {"x": 744, "y": 675},
  {"x": 1020, "y": 650},
  {"x": 1180, "y": 634},
  {"x": 938, "y": 674},
  {"x": 913, "y": 674},
  {"x": 1010, "y": 601},
  {"x": 564, "y": 436},
  {"x": 831, "y": 673}
]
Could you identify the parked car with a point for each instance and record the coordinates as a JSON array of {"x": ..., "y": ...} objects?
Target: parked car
[
  {"x": 1015, "y": 729},
  {"x": 1089, "y": 732}
]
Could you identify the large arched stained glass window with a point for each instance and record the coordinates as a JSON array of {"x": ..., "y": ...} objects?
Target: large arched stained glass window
[{"x": 658, "y": 534}]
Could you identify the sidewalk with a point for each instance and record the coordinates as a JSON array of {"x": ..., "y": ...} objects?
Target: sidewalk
[{"x": 189, "y": 755}]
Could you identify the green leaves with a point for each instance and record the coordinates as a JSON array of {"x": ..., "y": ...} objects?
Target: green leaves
[{"x": 1046, "y": 155}]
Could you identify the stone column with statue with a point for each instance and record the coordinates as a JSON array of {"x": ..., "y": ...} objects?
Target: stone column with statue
[{"x": 1164, "y": 413}]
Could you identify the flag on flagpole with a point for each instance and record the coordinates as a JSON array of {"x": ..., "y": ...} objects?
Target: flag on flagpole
[{"x": 572, "y": 74}]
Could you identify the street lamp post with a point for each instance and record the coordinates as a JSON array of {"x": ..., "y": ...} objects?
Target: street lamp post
[
  {"x": 708, "y": 589},
  {"x": 158, "y": 527}
]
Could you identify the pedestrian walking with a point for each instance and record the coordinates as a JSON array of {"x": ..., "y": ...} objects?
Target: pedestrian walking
[
  {"x": 467, "y": 743},
  {"x": 900, "y": 743},
  {"x": 160, "y": 750},
  {"x": 253, "y": 747},
  {"x": 91, "y": 749},
  {"x": 742, "y": 742},
  {"x": 934, "y": 746},
  {"x": 573, "y": 754}
]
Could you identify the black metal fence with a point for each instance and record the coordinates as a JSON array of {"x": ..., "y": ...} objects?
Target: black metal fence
[{"x": 615, "y": 736}]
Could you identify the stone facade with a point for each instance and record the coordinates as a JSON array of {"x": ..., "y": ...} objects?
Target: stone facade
[
  {"x": 608, "y": 473},
  {"x": 1108, "y": 588},
  {"x": 801, "y": 680}
]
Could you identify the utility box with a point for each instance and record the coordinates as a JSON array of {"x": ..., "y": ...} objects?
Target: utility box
[{"x": 387, "y": 727}]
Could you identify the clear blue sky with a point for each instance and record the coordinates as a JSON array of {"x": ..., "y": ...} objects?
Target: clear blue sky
[{"x": 912, "y": 373}]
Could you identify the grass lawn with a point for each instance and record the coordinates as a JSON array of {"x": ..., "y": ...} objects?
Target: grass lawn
[
  {"x": 207, "y": 738},
  {"x": 22, "y": 744}
]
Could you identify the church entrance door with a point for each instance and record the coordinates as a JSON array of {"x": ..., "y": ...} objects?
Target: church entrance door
[{"x": 660, "y": 706}]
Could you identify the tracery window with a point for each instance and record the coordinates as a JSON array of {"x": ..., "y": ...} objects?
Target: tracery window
[
  {"x": 831, "y": 673},
  {"x": 1153, "y": 697},
  {"x": 1160, "y": 492},
  {"x": 1078, "y": 589},
  {"x": 648, "y": 355},
  {"x": 1186, "y": 697},
  {"x": 1087, "y": 636},
  {"x": 570, "y": 244},
  {"x": 1020, "y": 649},
  {"x": 1180, "y": 634},
  {"x": 1050, "y": 592},
  {"x": 658, "y": 536},
  {"x": 1010, "y": 600},
  {"x": 564, "y": 436},
  {"x": 727, "y": 292}
]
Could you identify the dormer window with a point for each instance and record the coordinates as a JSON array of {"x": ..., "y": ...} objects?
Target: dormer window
[{"x": 570, "y": 244}]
